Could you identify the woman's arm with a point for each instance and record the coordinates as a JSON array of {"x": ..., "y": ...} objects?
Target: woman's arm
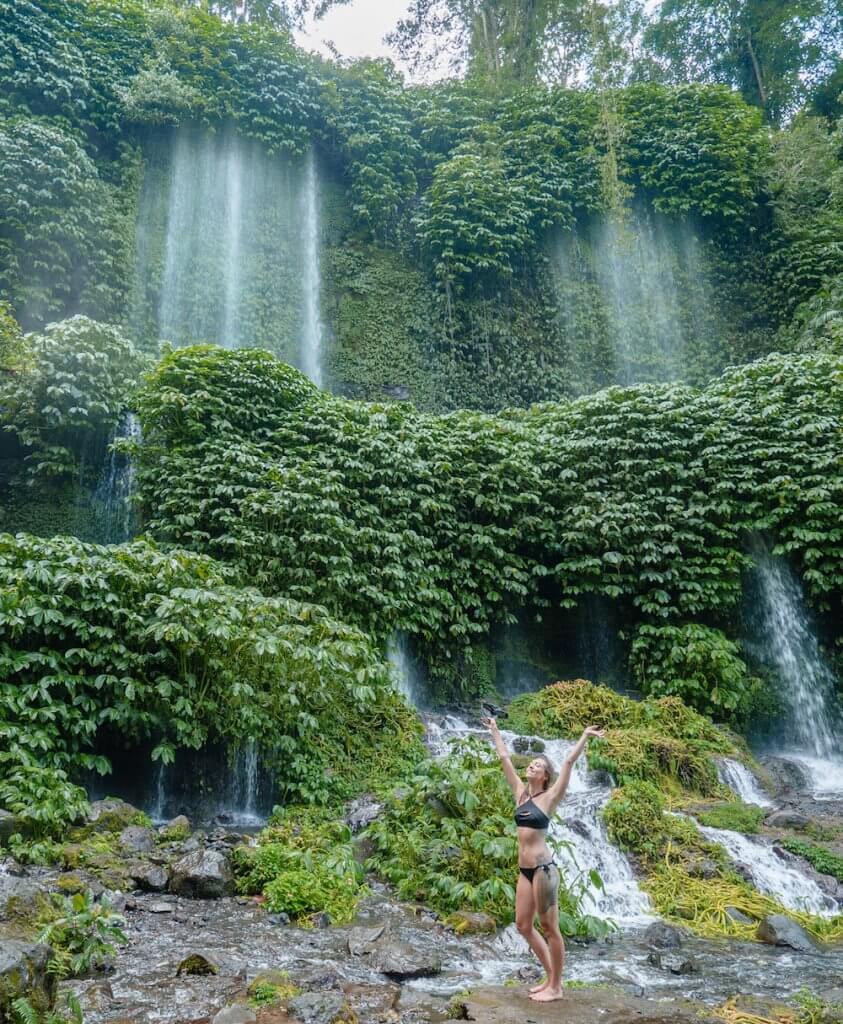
[
  {"x": 558, "y": 789},
  {"x": 515, "y": 784}
]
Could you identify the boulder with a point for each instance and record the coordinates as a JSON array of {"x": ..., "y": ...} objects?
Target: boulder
[
  {"x": 148, "y": 877},
  {"x": 580, "y": 1006},
  {"x": 373, "y": 1002},
  {"x": 240, "y": 1013},
  {"x": 663, "y": 936},
  {"x": 19, "y": 897},
  {"x": 361, "y": 941},
  {"x": 23, "y": 973},
  {"x": 321, "y": 1008},
  {"x": 176, "y": 829},
  {"x": 362, "y": 812},
  {"x": 197, "y": 964},
  {"x": 112, "y": 815},
  {"x": 778, "y": 930},
  {"x": 738, "y": 916},
  {"x": 401, "y": 960},
  {"x": 787, "y": 819},
  {"x": 471, "y": 922},
  {"x": 204, "y": 874},
  {"x": 703, "y": 867},
  {"x": 137, "y": 839}
]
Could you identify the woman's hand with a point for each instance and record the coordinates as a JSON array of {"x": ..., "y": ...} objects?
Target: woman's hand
[
  {"x": 491, "y": 724},
  {"x": 593, "y": 732}
]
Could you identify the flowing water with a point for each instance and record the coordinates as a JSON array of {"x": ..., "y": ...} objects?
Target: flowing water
[
  {"x": 112, "y": 502},
  {"x": 240, "y": 806},
  {"x": 227, "y": 248},
  {"x": 405, "y": 671},
  {"x": 742, "y": 782}
]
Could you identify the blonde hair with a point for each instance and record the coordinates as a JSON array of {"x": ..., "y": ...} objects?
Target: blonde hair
[{"x": 549, "y": 771}]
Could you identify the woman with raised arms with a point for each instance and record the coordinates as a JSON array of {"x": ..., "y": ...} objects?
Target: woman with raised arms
[{"x": 538, "y": 877}]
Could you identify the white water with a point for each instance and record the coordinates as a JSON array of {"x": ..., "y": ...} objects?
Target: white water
[
  {"x": 577, "y": 826},
  {"x": 311, "y": 354},
  {"x": 405, "y": 673},
  {"x": 770, "y": 874},
  {"x": 787, "y": 641},
  {"x": 158, "y": 808},
  {"x": 113, "y": 495},
  {"x": 243, "y": 795},
  {"x": 742, "y": 782},
  {"x": 823, "y": 776}
]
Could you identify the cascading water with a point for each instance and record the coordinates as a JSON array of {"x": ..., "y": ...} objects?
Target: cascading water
[
  {"x": 112, "y": 499},
  {"x": 770, "y": 874},
  {"x": 157, "y": 810},
  {"x": 407, "y": 677},
  {"x": 311, "y": 355},
  {"x": 742, "y": 782},
  {"x": 242, "y": 800},
  {"x": 227, "y": 248},
  {"x": 785, "y": 640}
]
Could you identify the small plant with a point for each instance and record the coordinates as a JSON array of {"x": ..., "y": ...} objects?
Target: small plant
[
  {"x": 634, "y": 817},
  {"x": 736, "y": 816},
  {"x": 272, "y": 988},
  {"x": 23, "y": 1012},
  {"x": 302, "y": 892},
  {"x": 823, "y": 860},
  {"x": 82, "y": 933}
]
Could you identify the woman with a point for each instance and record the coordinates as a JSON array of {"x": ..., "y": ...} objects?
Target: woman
[{"x": 538, "y": 877}]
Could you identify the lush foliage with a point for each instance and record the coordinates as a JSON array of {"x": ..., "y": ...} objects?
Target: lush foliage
[
  {"x": 449, "y": 839},
  {"x": 443, "y": 526},
  {"x": 65, "y": 405},
  {"x": 819, "y": 857},
  {"x": 634, "y": 816},
  {"x": 81, "y": 932},
  {"x": 162, "y": 646},
  {"x": 738, "y": 817},
  {"x": 24, "y": 1012}
]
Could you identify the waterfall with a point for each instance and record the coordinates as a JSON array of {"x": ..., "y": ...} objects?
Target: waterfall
[
  {"x": 404, "y": 670},
  {"x": 157, "y": 810},
  {"x": 311, "y": 354},
  {"x": 770, "y": 874},
  {"x": 577, "y": 825},
  {"x": 788, "y": 643},
  {"x": 240, "y": 806},
  {"x": 112, "y": 498},
  {"x": 227, "y": 248},
  {"x": 742, "y": 782}
]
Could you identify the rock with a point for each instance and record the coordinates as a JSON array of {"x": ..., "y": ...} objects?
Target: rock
[
  {"x": 237, "y": 1014},
  {"x": 19, "y": 897},
  {"x": 362, "y": 812},
  {"x": 280, "y": 918},
  {"x": 322, "y": 980},
  {"x": 148, "y": 877},
  {"x": 321, "y": 919},
  {"x": 160, "y": 908},
  {"x": 580, "y": 1006},
  {"x": 580, "y": 827},
  {"x": 373, "y": 1002},
  {"x": 321, "y": 1008},
  {"x": 176, "y": 829},
  {"x": 191, "y": 845},
  {"x": 197, "y": 964},
  {"x": 112, "y": 815},
  {"x": 662, "y": 936},
  {"x": 537, "y": 745},
  {"x": 205, "y": 874},
  {"x": 787, "y": 819},
  {"x": 23, "y": 973},
  {"x": 779, "y": 930},
  {"x": 402, "y": 960},
  {"x": 362, "y": 940},
  {"x": 468, "y": 922},
  {"x": 521, "y": 744},
  {"x": 738, "y": 916},
  {"x": 137, "y": 839},
  {"x": 363, "y": 848},
  {"x": 703, "y": 867},
  {"x": 9, "y": 825},
  {"x": 678, "y": 964},
  {"x": 438, "y": 808}
]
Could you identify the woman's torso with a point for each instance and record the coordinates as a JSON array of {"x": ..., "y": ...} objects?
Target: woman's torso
[{"x": 532, "y": 836}]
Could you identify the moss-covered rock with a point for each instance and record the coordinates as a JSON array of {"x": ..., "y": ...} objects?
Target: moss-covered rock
[{"x": 24, "y": 974}]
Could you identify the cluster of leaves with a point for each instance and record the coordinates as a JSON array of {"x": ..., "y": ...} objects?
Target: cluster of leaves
[
  {"x": 819, "y": 857},
  {"x": 662, "y": 742},
  {"x": 13, "y": 348},
  {"x": 25, "y": 1012},
  {"x": 65, "y": 405},
  {"x": 443, "y": 526},
  {"x": 81, "y": 931},
  {"x": 449, "y": 839},
  {"x": 303, "y": 865},
  {"x": 736, "y": 816},
  {"x": 42, "y": 798},
  {"x": 152, "y": 644}
]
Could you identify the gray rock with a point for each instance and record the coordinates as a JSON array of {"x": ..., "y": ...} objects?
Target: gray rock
[
  {"x": 137, "y": 839},
  {"x": 18, "y": 896},
  {"x": 362, "y": 812},
  {"x": 373, "y": 1002},
  {"x": 197, "y": 964},
  {"x": 23, "y": 972},
  {"x": 362, "y": 940},
  {"x": 438, "y": 808},
  {"x": 280, "y": 919},
  {"x": 787, "y": 819},
  {"x": 663, "y": 936},
  {"x": 318, "y": 1007},
  {"x": 778, "y": 930},
  {"x": 111, "y": 815},
  {"x": 205, "y": 874},
  {"x": 160, "y": 908},
  {"x": 148, "y": 877},
  {"x": 704, "y": 867},
  {"x": 179, "y": 823},
  {"x": 401, "y": 960},
  {"x": 738, "y": 916},
  {"x": 238, "y": 1014}
]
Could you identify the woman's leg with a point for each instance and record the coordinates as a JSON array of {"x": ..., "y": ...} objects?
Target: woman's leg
[
  {"x": 525, "y": 916},
  {"x": 546, "y": 891}
]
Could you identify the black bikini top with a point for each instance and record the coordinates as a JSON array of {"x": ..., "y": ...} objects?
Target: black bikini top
[{"x": 530, "y": 815}]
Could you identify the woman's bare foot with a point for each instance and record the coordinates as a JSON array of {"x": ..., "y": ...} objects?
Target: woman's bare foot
[
  {"x": 547, "y": 995},
  {"x": 542, "y": 985}
]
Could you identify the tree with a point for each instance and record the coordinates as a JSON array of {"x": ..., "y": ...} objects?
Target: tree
[
  {"x": 279, "y": 14},
  {"x": 774, "y": 53}
]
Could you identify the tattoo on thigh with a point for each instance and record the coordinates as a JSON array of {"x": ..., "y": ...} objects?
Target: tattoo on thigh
[{"x": 547, "y": 888}]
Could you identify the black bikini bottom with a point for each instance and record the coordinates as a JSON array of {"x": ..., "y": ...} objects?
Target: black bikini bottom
[{"x": 529, "y": 872}]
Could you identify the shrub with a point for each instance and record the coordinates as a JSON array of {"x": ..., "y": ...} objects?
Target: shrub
[
  {"x": 634, "y": 817},
  {"x": 81, "y": 932},
  {"x": 823, "y": 860},
  {"x": 302, "y": 891},
  {"x": 738, "y": 817}
]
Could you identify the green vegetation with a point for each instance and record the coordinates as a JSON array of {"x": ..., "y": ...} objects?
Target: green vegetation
[
  {"x": 81, "y": 932},
  {"x": 24, "y": 1012},
  {"x": 448, "y": 839},
  {"x": 823, "y": 860},
  {"x": 738, "y": 817}
]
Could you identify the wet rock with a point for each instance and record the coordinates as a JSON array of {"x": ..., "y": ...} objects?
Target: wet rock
[
  {"x": 703, "y": 867},
  {"x": 521, "y": 744},
  {"x": 137, "y": 839},
  {"x": 192, "y": 844},
  {"x": 362, "y": 812},
  {"x": 787, "y": 818},
  {"x": 321, "y": 980},
  {"x": 599, "y": 777},
  {"x": 373, "y": 1002},
  {"x": 197, "y": 964},
  {"x": 23, "y": 973},
  {"x": 148, "y": 877},
  {"x": 678, "y": 964},
  {"x": 363, "y": 848},
  {"x": 176, "y": 830},
  {"x": 280, "y": 918},
  {"x": 581, "y": 1006},
  {"x": 321, "y": 1008},
  {"x": 161, "y": 908},
  {"x": 112, "y": 815},
  {"x": 320, "y": 920},
  {"x": 205, "y": 874},
  {"x": 19, "y": 896},
  {"x": 663, "y": 936},
  {"x": 779, "y": 930},
  {"x": 467, "y": 922},
  {"x": 580, "y": 827},
  {"x": 237, "y": 1014},
  {"x": 438, "y": 808},
  {"x": 738, "y": 916},
  {"x": 361, "y": 941},
  {"x": 401, "y": 960}
]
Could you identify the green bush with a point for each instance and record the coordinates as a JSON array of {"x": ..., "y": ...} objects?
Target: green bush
[
  {"x": 817, "y": 856},
  {"x": 304, "y": 891},
  {"x": 634, "y": 817},
  {"x": 81, "y": 932},
  {"x": 738, "y": 817}
]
